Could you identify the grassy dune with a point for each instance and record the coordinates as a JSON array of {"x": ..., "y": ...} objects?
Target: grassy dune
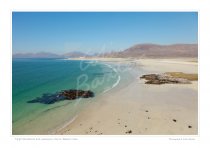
[{"x": 191, "y": 77}]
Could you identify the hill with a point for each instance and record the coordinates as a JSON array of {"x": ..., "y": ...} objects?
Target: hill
[{"x": 157, "y": 51}]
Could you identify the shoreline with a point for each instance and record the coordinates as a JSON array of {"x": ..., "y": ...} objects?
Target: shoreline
[
  {"x": 60, "y": 113},
  {"x": 112, "y": 89},
  {"x": 140, "y": 109}
]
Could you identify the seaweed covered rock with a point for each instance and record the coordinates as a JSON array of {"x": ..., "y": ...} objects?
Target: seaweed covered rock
[
  {"x": 71, "y": 94},
  {"x": 164, "y": 79}
]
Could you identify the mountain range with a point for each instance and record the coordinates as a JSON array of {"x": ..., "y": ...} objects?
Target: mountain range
[
  {"x": 156, "y": 51},
  {"x": 136, "y": 51},
  {"x": 49, "y": 55}
]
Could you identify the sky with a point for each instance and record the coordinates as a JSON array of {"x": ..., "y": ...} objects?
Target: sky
[{"x": 97, "y": 32}]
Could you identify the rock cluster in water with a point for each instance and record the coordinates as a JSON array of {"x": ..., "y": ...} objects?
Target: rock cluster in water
[
  {"x": 63, "y": 95},
  {"x": 74, "y": 94},
  {"x": 163, "y": 79}
]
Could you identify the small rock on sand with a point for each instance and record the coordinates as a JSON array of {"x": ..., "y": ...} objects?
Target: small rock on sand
[
  {"x": 129, "y": 132},
  {"x": 174, "y": 120}
]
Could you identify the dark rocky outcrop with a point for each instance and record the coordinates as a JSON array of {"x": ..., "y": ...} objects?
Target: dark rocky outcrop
[
  {"x": 163, "y": 79},
  {"x": 73, "y": 94},
  {"x": 63, "y": 95}
]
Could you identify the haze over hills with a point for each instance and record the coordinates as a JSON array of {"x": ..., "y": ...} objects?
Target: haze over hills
[
  {"x": 136, "y": 51},
  {"x": 74, "y": 54},
  {"x": 35, "y": 55},
  {"x": 49, "y": 55}
]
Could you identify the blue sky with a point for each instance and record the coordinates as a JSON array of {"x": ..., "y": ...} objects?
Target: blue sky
[{"x": 90, "y": 32}]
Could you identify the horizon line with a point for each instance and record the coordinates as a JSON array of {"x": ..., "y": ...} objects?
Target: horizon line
[{"x": 78, "y": 51}]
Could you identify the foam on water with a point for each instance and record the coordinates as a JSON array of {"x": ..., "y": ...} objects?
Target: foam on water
[{"x": 118, "y": 79}]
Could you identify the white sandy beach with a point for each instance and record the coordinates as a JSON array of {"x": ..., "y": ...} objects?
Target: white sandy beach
[{"x": 142, "y": 109}]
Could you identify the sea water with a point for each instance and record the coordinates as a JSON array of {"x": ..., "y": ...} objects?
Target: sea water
[{"x": 31, "y": 78}]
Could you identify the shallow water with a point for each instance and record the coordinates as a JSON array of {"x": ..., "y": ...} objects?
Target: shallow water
[{"x": 34, "y": 77}]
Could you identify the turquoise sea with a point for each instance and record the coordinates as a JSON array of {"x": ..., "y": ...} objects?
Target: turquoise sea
[{"x": 31, "y": 78}]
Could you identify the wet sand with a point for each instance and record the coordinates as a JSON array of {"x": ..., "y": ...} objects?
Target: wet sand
[{"x": 142, "y": 109}]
